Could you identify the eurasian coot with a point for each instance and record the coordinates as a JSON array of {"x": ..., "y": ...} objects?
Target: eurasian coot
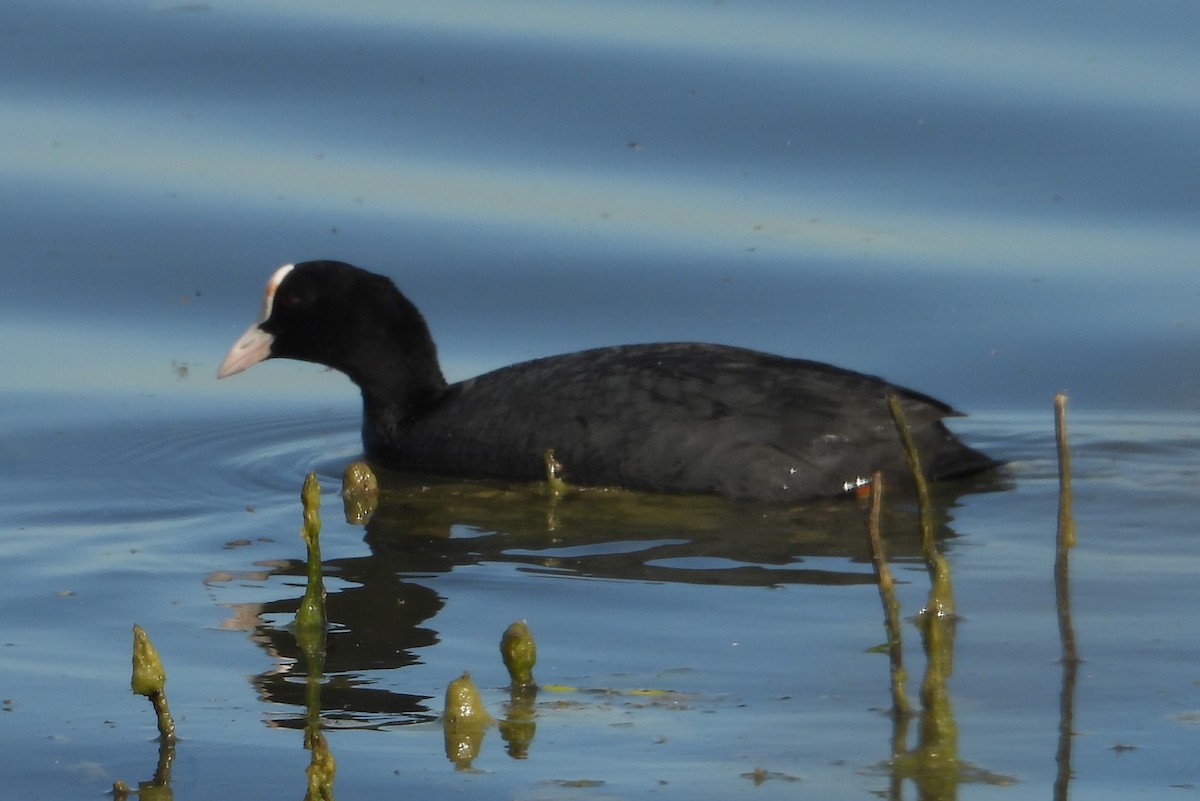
[{"x": 674, "y": 417}]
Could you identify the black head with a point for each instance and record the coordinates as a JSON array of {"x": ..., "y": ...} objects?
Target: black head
[{"x": 335, "y": 314}]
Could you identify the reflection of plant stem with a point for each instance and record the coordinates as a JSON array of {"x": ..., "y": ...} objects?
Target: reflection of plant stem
[
  {"x": 158, "y": 788},
  {"x": 933, "y": 764},
  {"x": 899, "y": 749},
  {"x": 162, "y": 771},
  {"x": 312, "y": 645},
  {"x": 891, "y": 606},
  {"x": 520, "y": 721},
  {"x": 320, "y": 770},
  {"x": 1062, "y": 593},
  {"x": 937, "y": 750}
]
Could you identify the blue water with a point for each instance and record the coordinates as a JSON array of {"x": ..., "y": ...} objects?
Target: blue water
[{"x": 987, "y": 203}]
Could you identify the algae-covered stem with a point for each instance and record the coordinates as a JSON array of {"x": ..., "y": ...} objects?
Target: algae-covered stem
[
  {"x": 150, "y": 679},
  {"x": 360, "y": 493},
  {"x": 1065, "y": 539},
  {"x": 938, "y": 749},
  {"x": 464, "y": 722},
  {"x": 310, "y": 636},
  {"x": 887, "y": 594},
  {"x": 1066, "y": 532},
  {"x": 519, "y": 652},
  {"x": 311, "y": 612},
  {"x": 941, "y": 595},
  {"x": 1066, "y": 524}
]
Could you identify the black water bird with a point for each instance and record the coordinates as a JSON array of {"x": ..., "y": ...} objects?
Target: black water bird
[{"x": 671, "y": 417}]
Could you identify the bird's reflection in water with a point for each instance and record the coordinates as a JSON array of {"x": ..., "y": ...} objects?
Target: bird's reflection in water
[{"x": 382, "y": 610}]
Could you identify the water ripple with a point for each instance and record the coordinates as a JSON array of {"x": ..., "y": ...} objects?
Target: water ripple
[{"x": 128, "y": 470}]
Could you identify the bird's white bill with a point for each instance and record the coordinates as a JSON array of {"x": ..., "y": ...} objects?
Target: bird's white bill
[
  {"x": 254, "y": 345},
  {"x": 250, "y": 349}
]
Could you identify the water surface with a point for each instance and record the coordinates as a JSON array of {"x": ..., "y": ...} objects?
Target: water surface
[{"x": 989, "y": 205}]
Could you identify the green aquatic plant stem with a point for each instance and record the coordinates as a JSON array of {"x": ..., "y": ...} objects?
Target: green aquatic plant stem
[
  {"x": 150, "y": 679},
  {"x": 941, "y": 593},
  {"x": 464, "y": 721},
  {"x": 360, "y": 493},
  {"x": 1066, "y": 523},
  {"x": 519, "y": 651},
  {"x": 1065, "y": 540},
  {"x": 464, "y": 705},
  {"x": 310, "y": 629},
  {"x": 311, "y": 613},
  {"x": 887, "y": 595}
]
